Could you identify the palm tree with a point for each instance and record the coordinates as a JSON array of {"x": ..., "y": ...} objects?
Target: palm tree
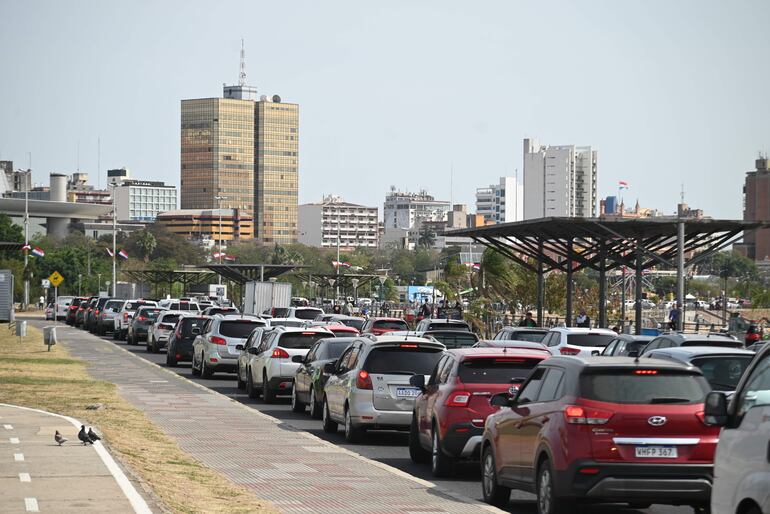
[
  {"x": 427, "y": 237},
  {"x": 147, "y": 242}
]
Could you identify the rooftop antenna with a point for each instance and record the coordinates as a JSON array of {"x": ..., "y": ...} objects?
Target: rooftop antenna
[{"x": 242, "y": 74}]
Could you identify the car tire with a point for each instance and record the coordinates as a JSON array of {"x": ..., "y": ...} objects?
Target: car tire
[
  {"x": 240, "y": 384},
  {"x": 252, "y": 391},
  {"x": 149, "y": 347},
  {"x": 440, "y": 463},
  {"x": 296, "y": 405},
  {"x": 353, "y": 434},
  {"x": 329, "y": 425},
  {"x": 417, "y": 453},
  {"x": 547, "y": 502},
  {"x": 130, "y": 339},
  {"x": 193, "y": 369},
  {"x": 494, "y": 493},
  {"x": 115, "y": 335},
  {"x": 315, "y": 406},
  {"x": 268, "y": 396},
  {"x": 206, "y": 371},
  {"x": 171, "y": 360}
]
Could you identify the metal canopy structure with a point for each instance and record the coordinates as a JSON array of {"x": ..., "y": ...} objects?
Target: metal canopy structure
[
  {"x": 571, "y": 244},
  {"x": 344, "y": 281},
  {"x": 186, "y": 277},
  {"x": 242, "y": 273}
]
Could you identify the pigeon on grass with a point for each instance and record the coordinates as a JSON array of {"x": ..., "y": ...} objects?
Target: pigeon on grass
[
  {"x": 93, "y": 437},
  {"x": 59, "y": 438},
  {"x": 83, "y": 436}
]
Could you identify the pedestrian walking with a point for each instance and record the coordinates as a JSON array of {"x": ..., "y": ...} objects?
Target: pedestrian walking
[
  {"x": 673, "y": 317},
  {"x": 528, "y": 321},
  {"x": 583, "y": 320}
]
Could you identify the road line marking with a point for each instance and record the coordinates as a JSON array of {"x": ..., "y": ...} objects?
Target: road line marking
[
  {"x": 8, "y": 427},
  {"x": 158, "y": 381},
  {"x": 31, "y": 505},
  {"x": 18, "y": 457},
  {"x": 14, "y": 440},
  {"x": 24, "y": 477}
]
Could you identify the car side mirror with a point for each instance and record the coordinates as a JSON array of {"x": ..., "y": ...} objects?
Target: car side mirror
[
  {"x": 501, "y": 400},
  {"x": 633, "y": 353},
  {"x": 299, "y": 359},
  {"x": 329, "y": 368},
  {"x": 715, "y": 411},
  {"x": 195, "y": 331},
  {"x": 239, "y": 347},
  {"x": 417, "y": 381},
  {"x": 253, "y": 350}
]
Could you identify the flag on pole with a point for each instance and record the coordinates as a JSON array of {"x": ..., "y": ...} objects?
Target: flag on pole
[
  {"x": 26, "y": 247},
  {"x": 38, "y": 252},
  {"x": 230, "y": 258},
  {"x": 339, "y": 264},
  {"x": 622, "y": 184},
  {"x": 217, "y": 255},
  {"x": 123, "y": 254},
  {"x": 109, "y": 252}
]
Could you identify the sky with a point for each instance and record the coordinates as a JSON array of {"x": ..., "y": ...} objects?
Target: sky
[{"x": 434, "y": 95}]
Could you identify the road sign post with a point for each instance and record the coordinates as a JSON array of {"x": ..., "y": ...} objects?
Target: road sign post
[{"x": 55, "y": 279}]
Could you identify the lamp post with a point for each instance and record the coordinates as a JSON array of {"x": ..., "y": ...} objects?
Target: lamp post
[
  {"x": 80, "y": 277},
  {"x": 114, "y": 250},
  {"x": 100, "y": 283},
  {"x": 355, "y": 282}
]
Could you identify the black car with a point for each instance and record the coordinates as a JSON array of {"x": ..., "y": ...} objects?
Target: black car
[
  {"x": 72, "y": 311},
  {"x": 448, "y": 337},
  {"x": 626, "y": 345},
  {"x": 80, "y": 316},
  {"x": 675, "y": 339},
  {"x": 94, "y": 318},
  {"x": 310, "y": 378},
  {"x": 88, "y": 315},
  {"x": 180, "y": 342},
  {"x": 143, "y": 318}
]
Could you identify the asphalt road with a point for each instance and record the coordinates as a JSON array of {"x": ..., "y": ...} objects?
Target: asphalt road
[{"x": 386, "y": 447}]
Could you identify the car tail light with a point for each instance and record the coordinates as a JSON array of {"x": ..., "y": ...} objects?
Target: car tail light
[
  {"x": 166, "y": 326},
  {"x": 566, "y": 350},
  {"x": 217, "y": 340},
  {"x": 645, "y": 372},
  {"x": 458, "y": 399},
  {"x": 363, "y": 380},
  {"x": 577, "y": 415},
  {"x": 279, "y": 353},
  {"x": 141, "y": 318},
  {"x": 96, "y": 312},
  {"x": 125, "y": 316},
  {"x": 73, "y": 307},
  {"x": 589, "y": 471},
  {"x": 752, "y": 338},
  {"x": 701, "y": 417}
]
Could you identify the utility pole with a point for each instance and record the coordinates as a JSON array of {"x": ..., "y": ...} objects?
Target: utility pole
[
  {"x": 114, "y": 244},
  {"x": 219, "y": 200},
  {"x": 26, "y": 244},
  {"x": 338, "y": 255}
]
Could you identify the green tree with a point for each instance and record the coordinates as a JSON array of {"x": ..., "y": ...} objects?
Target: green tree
[
  {"x": 10, "y": 233},
  {"x": 427, "y": 237},
  {"x": 147, "y": 243}
]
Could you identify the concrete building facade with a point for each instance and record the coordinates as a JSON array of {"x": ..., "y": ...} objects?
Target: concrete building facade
[
  {"x": 138, "y": 200},
  {"x": 404, "y": 213},
  {"x": 213, "y": 225},
  {"x": 756, "y": 207},
  {"x": 320, "y": 224},
  {"x": 502, "y": 202},
  {"x": 559, "y": 180}
]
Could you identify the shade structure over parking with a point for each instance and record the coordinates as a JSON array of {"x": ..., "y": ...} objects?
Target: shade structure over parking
[
  {"x": 242, "y": 273},
  {"x": 186, "y": 277},
  {"x": 571, "y": 244}
]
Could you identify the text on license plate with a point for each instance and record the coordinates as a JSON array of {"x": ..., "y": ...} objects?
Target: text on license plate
[
  {"x": 656, "y": 452},
  {"x": 407, "y": 392}
]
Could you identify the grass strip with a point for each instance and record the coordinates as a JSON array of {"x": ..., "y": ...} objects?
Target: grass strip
[{"x": 54, "y": 381}]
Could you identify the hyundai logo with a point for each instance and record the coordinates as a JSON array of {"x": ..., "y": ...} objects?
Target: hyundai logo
[{"x": 657, "y": 421}]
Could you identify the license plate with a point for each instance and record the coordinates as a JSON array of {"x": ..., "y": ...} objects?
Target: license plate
[
  {"x": 656, "y": 452},
  {"x": 406, "y": 392}
]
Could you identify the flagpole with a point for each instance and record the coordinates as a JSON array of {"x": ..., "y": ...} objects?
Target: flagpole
[
  {"x": 114, "y": 252},
  {"x": 26, "y": 249}
]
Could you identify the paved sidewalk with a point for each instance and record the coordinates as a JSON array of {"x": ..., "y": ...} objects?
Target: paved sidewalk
[
  {"x": 36, "y": 475},
  {"x": 296, "y": 471}
]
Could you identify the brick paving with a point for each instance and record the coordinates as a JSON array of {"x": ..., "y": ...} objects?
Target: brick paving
[{"x": 298, "y": 472}]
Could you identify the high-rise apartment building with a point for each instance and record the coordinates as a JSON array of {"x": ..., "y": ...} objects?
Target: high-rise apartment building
[
  {"x": 404, "y": 213},
  {"x": 559, "y": 180},
  {"x": 501, "y": 203},
  {"x": 756, "y": 207},
  {"x": 322, "y": 224},
  {"x": 242, "y": 152},
  {"x": 140, "y": 200}
]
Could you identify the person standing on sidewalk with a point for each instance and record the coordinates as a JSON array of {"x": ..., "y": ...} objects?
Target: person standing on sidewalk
[{"x": 528, "y": 321}]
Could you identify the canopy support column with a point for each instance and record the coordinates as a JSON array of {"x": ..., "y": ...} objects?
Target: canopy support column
[
  {"x": 638, "y": 287},
  {"x": 568, "y": 321},
  {"x": 540, "y": 284},
  {"x": 680, "y": 274},
  {"x": 602, "y": 285}
]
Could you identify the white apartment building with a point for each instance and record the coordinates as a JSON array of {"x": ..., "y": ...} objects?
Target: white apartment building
[
  {"x": 559, "y": 180},
  {"x": 501, "y": 203},
  {"x": 138, "y": 200},
  {"x": 319, "y": 224},
  {"x": 404, "y": 212}
]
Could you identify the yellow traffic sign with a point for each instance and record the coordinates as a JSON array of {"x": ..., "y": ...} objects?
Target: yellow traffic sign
[{"x": 56, "y": 279}]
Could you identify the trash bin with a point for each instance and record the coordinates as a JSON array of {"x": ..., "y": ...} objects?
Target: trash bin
[
  {"x": 21, "y": 328},
  {"x": 49, "y": 335}
]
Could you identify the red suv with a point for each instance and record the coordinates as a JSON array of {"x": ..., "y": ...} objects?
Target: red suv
[
  {"x": 602, "y": 429},
  {"x": 448, "y": 418},
  {"x": 379, "y": 326}
]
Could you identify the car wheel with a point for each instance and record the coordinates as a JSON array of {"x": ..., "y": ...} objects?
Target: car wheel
[
  {"x": 171, "y": 359},
  {"x": 417, "y": 453},
  {"x": 193, "y": 368},
  {"x": 240, "y": 384},
  {"x": 267, "y": 395},
  {"x": 547, "y": 502},
  {"x": 329, "y": 425},
  {"x": 296, "y": 405},
  {"x": 440, "y": 462},
  {"x": 353, "y": 434},
  {"x": 315, "y": 406},
  {"x": 115, "y": 335},
  {"x": 149, "y": 347},
  {"x": 129, "y": 339},
  {"x": 250, "y": 389},
  {"x": 494, "y": 493},
  {"x": 206, "y": 371}
]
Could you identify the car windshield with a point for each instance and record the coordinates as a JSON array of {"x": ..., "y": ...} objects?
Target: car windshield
[
  {"x": 589, "y": 339},
  {"x": 404, "y": 359},
  {"x": 307, "y": 313},
  {"x": 300, "y": 340},
  {"x": 391, "y": 324},
  {"x": 722, "y": 343},
  {"x": 456, "y": 339},
  {"x": 331, "y": 349},
  {"x": 655, "y": 386},
  {"x": 496, "y": 370},
  {"x": 521, "y": 335},
  {"x": 449, "y": 326},
  {"x": 240, "y": 328},
  {"x": 724, "y": 371},
  {"x": 357, "y": 323}
]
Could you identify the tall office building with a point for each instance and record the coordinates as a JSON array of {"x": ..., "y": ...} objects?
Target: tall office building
[
  {"x": 241, "y": 152},
  {"x": 322, "y": 224},
  {"x": 404, "y": 213},
  {"x": 559, "y": 180},
  {"x": 756, "y": 207},
  {"x": 501, "y": 203}
]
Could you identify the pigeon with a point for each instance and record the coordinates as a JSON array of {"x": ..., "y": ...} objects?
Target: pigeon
[
  {"x": 83, "y": 436},
  {"x": 59, "y": 438},
  {"x": 93, "y": 437}
]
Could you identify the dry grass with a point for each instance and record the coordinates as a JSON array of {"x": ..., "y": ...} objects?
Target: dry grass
[{"x": 32, "y": 377}]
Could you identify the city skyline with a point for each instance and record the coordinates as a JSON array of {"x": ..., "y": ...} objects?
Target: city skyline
[{"x": 659, "y": 118}]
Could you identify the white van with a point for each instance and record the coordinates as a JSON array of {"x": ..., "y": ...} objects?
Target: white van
[
  {"x": 62, "y": 304},
  {"x": 742, "y": 461}
]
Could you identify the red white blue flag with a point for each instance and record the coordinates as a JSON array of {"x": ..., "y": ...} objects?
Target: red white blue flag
[
  {"x": 38, "y": 252},
  {"x": 109, "y": 252},
  {"x": 123, "y": 254}
]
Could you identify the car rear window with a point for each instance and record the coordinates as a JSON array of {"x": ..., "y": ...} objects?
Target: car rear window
[
  {"x": 721, "y": 343},
  {"x": 307, "y": 313},
  {"x": 189, "y": 323},
  {"x": 520, "y": 335},
  {"x": 643, "y": 386},
  {"x": 300, "y": 340},
  {"x": 113, "y": 304},
  {"x": 357, "y": 323},
  {"x": 456, "y": 339},
  {"x": 286, "y": 323},
  {"x": 221, "y": 310},
  {"x": 449, "y": 326},
  {"x": 332, "y": 349},
  {"x": 723, "y": 372},
  {"x": 280, "y": 312},
  {"x": 402, "y": 360},
  {"x": 589, "y": 339},
  {"x": 171, "y": 318},
  {"x": 238, "y": 328},
  {"x": 132, "y": 306},
  {"x": 149, "y": 313},
  {"x": 497, "y": 370},
  {"x": 391, "y": 324}
]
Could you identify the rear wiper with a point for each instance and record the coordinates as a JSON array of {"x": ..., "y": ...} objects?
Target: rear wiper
[{"x": 669, "y": 400}]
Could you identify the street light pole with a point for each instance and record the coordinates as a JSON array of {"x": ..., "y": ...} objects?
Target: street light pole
[
  {"x": 26, "y": 247},
  {"x": 114, "y": 244},
  {"x": 219, "y": 199}
]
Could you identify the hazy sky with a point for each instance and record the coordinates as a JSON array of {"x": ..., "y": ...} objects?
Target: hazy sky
[{"x": 399, "y": 92}]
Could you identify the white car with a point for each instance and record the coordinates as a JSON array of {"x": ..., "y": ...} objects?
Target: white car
[
  {"x": 742, "y": 460},
  {"x": 276, "y": 359},
  {"x": 575, "y": 341},
  {"x": 180, "y": 305},
  {"x": 216, "y": 348},
  {"x": 288, "y": 322},
  {"x": 124, "y": 316},
  {"x": 161, "y": 330},
  {"x": 62, "y": 304}
]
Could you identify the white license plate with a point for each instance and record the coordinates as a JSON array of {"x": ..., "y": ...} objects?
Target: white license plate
[
  {"x": 405, "y": 392},
  {"x": 656, "y": 452}
]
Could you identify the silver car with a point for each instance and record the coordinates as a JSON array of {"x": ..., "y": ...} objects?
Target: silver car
[
  {"x": 368, "y": 386},
  {"x": 216, "y": 347}
]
